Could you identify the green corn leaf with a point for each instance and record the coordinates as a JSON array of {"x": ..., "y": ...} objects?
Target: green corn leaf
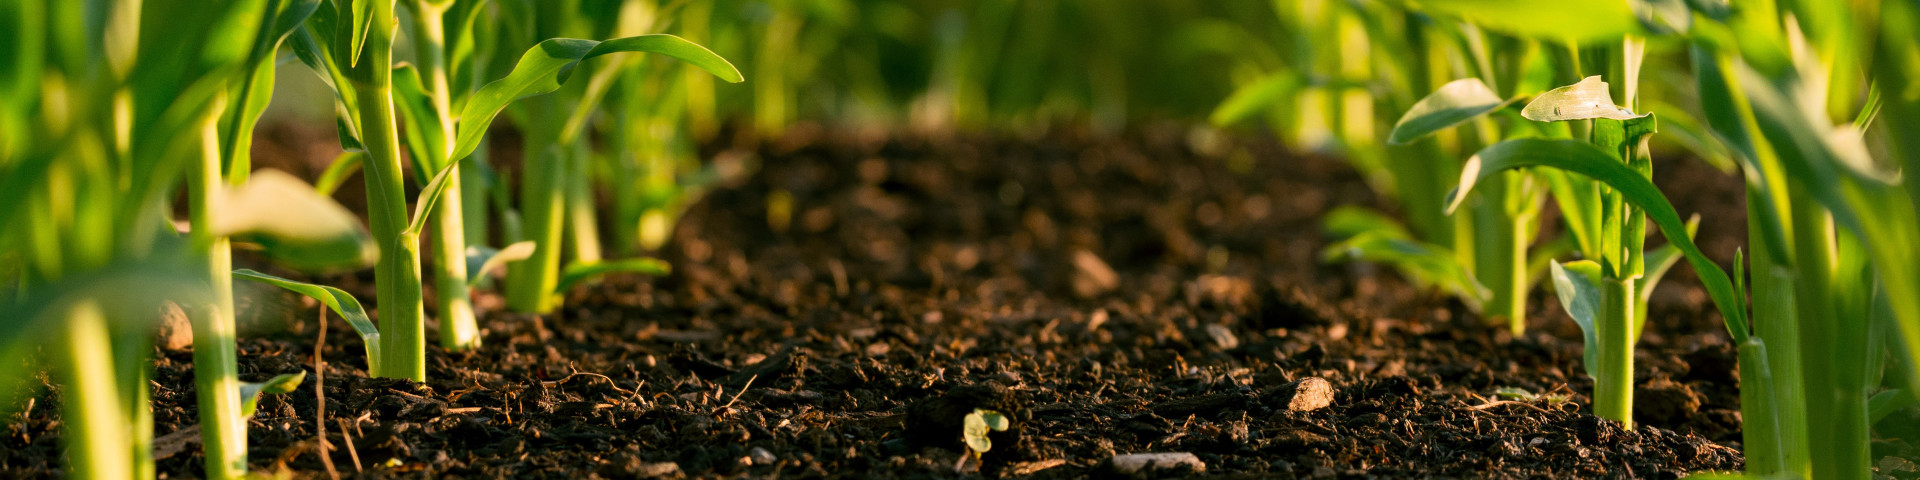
[
  {"x": 1658, "y": 262},
  {"x": 257, "y": 93},
  {"x": 1454, "y": 103},
  {"x": 1885, "y": 403},
  {"x": 1424, "y": 264},
  {"x": 1585, "y": 159},
  {"x": 414, "y": 111},
  {"x": 1687, "y": 131},
  {"x": 128, "y": 292},
  {"x": 429, "y": 195},
  {"x": 481, "y": 259},
  {"x": 348, "y": 132},
  {"x": 578, "y": 272},
  {"x": 298, "y": 226},
  {"x": 1577, "y": 284},
  {"x": 1345, "y": 221},
  {"x": 337, "y": 172},
  {"x": 362, "y": 18},
  {"x": 342, "y": 304},
  {"x": 1578, "y": 22},
  {"x": 283, "y": 383},
  {"x": 1761, "y": 411},
  {"x": 545, "y": 66},
  {"x": 978, "y": 425},
  {"x": 1728, "y": 118},
  {"x": 1256, "y": 97},
  {"x": 1805, "y": 154}
]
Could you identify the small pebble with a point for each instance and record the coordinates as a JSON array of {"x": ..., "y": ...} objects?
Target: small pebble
[
  {"x": 1223, "y": 336},
  {"x": 761, "y": 456},
  {"x": 1306, "y": 395},
  {"x": 176, "y": 332},
  {"x": 1135, "y": 463}
]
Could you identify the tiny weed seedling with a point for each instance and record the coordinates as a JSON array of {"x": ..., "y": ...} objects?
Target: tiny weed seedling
[{"x": 974, "y": 430}]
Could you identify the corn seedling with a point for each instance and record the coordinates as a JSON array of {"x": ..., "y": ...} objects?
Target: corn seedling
[
  {"x": 1483, "y": 259},
  {"x": 102, "y": 149},
  {"x": 1832, "y": 229},
  {"x": 351, "y": 45},
  {"x": 555, "y": 192}
]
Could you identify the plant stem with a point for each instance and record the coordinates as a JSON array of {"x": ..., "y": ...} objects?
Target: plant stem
[
  {"x": 1775, "y": 322},
  {"x": 397, "y": 275},
  {"x": 131, "y": 346},
  {"x": 1613, "y": 390},
  {"x": 1500, "y": 253},
  {"x": 95, "y": 435},
  {"x": 1760, "y": 427},
  {"x": 458, "y": 329},
  {"x": 531, "y": 282},
  {"x": 583, "y": 229},
  {"x": 215, "y": 366},
  {"x": 1836, "y": 396}
]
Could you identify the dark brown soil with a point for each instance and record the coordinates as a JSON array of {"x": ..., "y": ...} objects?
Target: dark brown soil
[{"x": 1110, "y": 296}]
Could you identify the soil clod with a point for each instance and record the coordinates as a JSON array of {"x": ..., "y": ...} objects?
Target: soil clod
[{"x": 1303, "y": 395}]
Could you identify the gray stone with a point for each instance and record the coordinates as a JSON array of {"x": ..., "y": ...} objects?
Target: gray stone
[{"x": 1134, "y": 463}]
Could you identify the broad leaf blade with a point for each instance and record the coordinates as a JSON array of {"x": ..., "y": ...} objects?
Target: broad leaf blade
[
  {"x": 283, "y": 383},
  {"x": 1578, "y": 286},
  {"x": 299, "y": 227},
  {"x": 1585, "y": 159},
  {"x": 1454, "y": 103},
  {"x": 342, "y": 304}
]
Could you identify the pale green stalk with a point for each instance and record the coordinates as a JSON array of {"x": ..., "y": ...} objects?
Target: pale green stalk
[
  {"x": 458, "y": 328},
  {"x": 397, "y": 275},
  {"x": 215, "y": 363},
  {"x": 583, "y": 228},
  {"x": 531, "y": 282},
  {"x": 95, "y": 434},
  {"x": 1774, "y": 322},
  {"x": 1613, "y": 389},
  {"x": 1836, "y": 395}
]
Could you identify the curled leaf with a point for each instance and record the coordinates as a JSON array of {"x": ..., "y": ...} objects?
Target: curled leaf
[
  {"x": 482, "y": 259},
  {"x": 343, "y": 304},
  {"x": 283, "y": 383},
  {"x": 1586, "y": 100},
  {"x": 1578, "y": 286}
]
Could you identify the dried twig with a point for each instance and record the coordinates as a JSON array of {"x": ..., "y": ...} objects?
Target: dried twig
[
  {"x": 743, "y": 389},
  {"x": 348, "y": 439},
  {"x": 320, "y": 395},
  {"x": 1484, "y": 404}
]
